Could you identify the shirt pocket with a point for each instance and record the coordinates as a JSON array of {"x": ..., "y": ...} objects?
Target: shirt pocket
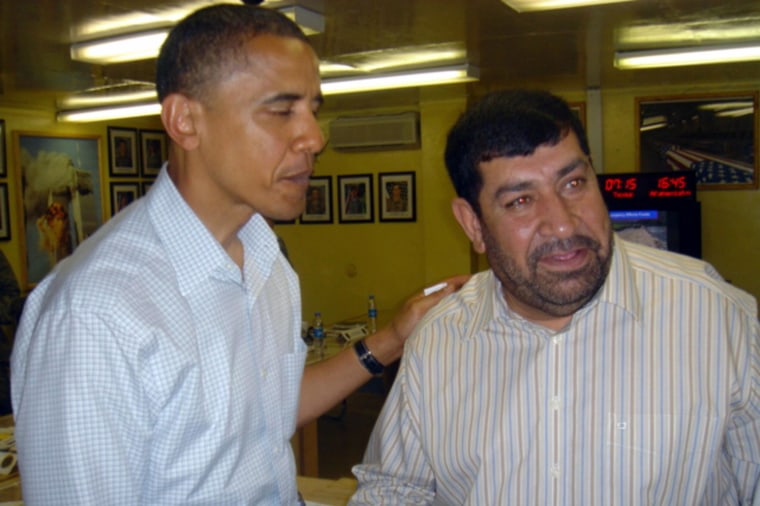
[{"x": 652, "y": 456}]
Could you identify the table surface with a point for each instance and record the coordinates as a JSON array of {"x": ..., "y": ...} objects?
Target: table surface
[{"x": 316, "y": 490}]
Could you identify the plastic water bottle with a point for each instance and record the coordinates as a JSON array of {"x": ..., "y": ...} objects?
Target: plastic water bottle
[
  {"x": 318, "y": 333},
  {"x": 371, "y": 315}
]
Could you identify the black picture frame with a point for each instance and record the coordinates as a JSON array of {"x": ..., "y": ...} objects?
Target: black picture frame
[
  {"x": 123, "y": 194},
  {"x": 154, "y": 151},
  {"x": 318, "y": 208},
  {"x": 5, "y": 214},
  {"x": 397, "y": 196},
  {"x": 123, "y": 158},
  {"x": 355, "y": 199}
]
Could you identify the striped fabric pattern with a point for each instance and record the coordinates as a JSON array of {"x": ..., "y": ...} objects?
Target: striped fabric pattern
[{"x": 651, "y": 395}]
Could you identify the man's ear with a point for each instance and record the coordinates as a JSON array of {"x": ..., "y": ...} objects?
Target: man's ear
[
  {"x": 180, "y": 115},
  {"x": 470, "y": 223}
]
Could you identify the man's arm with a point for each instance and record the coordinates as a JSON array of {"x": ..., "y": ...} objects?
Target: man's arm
[
  {"x": 395, "y": 469},
  {"x": 327, "y": 383},
  {"x": 78, "y": 429}
]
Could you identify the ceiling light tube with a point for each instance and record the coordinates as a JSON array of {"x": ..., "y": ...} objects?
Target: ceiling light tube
[
  {"x": 547, "y": 5},
  {"x": 418, "y": 77},
  {"x": 677, "y": 57},
  {"x": 109, "y": 113},
  {"x": 120, "y": 48}
]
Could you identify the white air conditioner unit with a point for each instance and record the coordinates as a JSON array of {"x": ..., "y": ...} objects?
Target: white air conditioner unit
[{"x": 375, "y": 132}]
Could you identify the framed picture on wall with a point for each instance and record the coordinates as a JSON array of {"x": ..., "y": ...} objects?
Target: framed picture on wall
[
  {"x": 123, "y": 194},
  {"x": 396, "y": 196},
  {"x": 154, "y": 151},
  {"x": 5, "y": 220},
  {"x": 3, "y": 158},
  {"x": 714, "y": 135},
  {"x": 145, "y": 186},
  {"x": 355, "y": 198},
  {"x": 60, "y": 203},
  {"x": 122, "y": 152},
  {"x": 318, "y": 201}
]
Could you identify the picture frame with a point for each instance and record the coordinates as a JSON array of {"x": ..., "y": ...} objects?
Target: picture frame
[
  {"x": 123, "y": 160},
  {"x": 60, "y": 197},
  {"x": 5, "y": 216},
  {"x": 154, "y": 151},
  {"x": 3, "y": 157},
  {"x": 396, "y": 196},
  {"x": 318, "y": 201},
  {"x": 714, "y": 135},
  {"x": 145, "y": 186},
  {"x": 355, "y": 199},
  {"x": 123, "y": 194}
]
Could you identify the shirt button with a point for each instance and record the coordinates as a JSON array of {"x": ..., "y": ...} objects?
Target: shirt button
[
  {"x": 555, "y": 471},
  {"x": 555, "y": 403},
  {"x": 263, "y": 373},
  {"x": 557, "y": 339}
]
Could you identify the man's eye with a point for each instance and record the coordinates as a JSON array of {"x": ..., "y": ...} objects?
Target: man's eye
[{"x": 517, "y": 203}]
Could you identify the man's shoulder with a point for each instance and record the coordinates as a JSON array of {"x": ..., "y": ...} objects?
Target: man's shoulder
[
  {"x": 457, "y": 311},
  {"x": 666, "y": 266},
  {"x": 123, "y": 259}
]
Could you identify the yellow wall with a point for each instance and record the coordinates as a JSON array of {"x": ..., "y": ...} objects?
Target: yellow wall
[{"x": 341, "y": 264}]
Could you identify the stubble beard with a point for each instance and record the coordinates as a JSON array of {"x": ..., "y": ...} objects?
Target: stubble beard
[{"x": 557, "y": 294}]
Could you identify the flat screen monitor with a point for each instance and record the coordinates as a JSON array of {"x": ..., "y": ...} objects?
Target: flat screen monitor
[
  {"x": 647, "y": 226},
  {"x": 675, "y": 229}
]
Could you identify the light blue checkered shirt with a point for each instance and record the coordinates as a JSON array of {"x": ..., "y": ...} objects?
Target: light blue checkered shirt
[{"x": 148, "y": 369}]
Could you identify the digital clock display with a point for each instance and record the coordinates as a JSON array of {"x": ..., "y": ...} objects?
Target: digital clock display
[{"x": 648, "y": 186}]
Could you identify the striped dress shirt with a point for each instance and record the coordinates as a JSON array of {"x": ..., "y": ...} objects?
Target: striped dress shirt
[
  {"x": 149, "y": 369},
  {"x": 650, "y": 395}
]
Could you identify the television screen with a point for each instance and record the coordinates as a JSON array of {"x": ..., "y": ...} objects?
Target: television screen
[{"x": 647, "y": 227}]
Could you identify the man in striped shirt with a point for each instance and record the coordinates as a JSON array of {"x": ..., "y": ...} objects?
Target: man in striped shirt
[{"x": 579, "y": 369}]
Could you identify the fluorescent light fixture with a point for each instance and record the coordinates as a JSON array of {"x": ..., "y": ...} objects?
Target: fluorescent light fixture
[
  {"x": 726, "y": 30},
  {"x": 109, "y": 113},
  {"x": 546, "y": 5},
  {"x": 736, "y": 113},
  {"x": 697, "y": 55},
  {"x": 416, "y": 77},
  {"x": 145, "y": 44},
  {"x": 419, "y": 77},
  {"x": 120, "y": 48}
]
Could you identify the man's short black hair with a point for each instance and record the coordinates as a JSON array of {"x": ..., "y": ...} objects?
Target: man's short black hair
[{"x": 205, "y": 46}]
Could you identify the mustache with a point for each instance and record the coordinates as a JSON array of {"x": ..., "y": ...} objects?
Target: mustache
[{"x": 563, "y": 246}]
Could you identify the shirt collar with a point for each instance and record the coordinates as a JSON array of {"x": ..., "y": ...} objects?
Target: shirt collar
[
  {"x": 193, "y": 250},
  {"x": 619, "y": 288}
]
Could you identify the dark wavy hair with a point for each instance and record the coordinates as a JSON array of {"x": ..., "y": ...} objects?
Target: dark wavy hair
[
  {"x": 505, "y": 123},
  {"x": 206, "y": 45}
]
